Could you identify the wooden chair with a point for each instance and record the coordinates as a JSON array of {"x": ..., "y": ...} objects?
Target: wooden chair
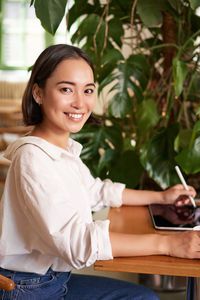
[{"x": 6, "y": 283}]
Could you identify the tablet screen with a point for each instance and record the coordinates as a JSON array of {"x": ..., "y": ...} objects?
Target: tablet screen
[{"x": 171, "y": 217}]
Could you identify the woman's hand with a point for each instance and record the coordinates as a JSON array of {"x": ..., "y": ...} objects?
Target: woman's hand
[
  {"x": 175, "y": 195},
  {"x": 178, "y": 195},
  {"x": 185, "y": 244}
]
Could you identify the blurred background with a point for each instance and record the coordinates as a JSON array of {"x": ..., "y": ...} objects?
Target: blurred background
[{"x": 146, "y": 58}]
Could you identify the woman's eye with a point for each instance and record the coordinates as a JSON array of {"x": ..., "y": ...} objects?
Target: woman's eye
[
  {"x": 66, "y": 90},
  {"x": 89, "y": 91}
]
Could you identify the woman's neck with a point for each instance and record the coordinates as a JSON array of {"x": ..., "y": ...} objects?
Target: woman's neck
[{"x": 59, "y": 140}]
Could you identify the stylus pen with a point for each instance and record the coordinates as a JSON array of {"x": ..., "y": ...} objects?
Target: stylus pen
[{"x": 184, "y": 184}]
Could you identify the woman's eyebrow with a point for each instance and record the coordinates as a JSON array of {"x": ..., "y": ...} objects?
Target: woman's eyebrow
[
  {"x": 73, "y": 83},
  {"x": 65, "y": 82},
  {"x": 91, "y": 84}
]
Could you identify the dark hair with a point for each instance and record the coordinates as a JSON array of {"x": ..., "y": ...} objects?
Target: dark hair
[{"x": 42, "y": 70}]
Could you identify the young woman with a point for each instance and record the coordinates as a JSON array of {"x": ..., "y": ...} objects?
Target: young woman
[{"x": 45, "y": 212}]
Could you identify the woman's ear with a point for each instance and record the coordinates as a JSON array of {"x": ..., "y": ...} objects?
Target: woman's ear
[{"x": 37, "y": 94}]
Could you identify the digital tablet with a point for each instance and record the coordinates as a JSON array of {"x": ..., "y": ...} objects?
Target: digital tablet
[{"x": 171, "y": 217}]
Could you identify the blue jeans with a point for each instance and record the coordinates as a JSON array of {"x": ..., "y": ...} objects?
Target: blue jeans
[{"x": 67, "y": 286}]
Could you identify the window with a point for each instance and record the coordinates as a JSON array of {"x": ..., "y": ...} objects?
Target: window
[
  {"x": 22, "y": 37},
  {"x": 20, "y": 32}
]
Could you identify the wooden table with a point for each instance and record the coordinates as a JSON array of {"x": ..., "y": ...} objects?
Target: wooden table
[
  {"x": 11, "y": 117},
  {"x": 10, "y": 113},
  {"x": 136, "y": 220},
  {"x": 7, "y": 109}
]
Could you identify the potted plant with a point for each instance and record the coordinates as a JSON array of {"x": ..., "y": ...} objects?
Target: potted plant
[{"x": 146, "y": 54}]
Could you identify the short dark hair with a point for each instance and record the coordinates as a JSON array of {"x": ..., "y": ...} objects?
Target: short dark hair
[{"x": 41, "y": 71}]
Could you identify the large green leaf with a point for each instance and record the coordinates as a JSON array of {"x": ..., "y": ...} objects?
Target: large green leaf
[
  {"x": 138, "y": 61},
  {"x": 87, "y": 29},
  {"x": 109, "y": 61},
  {"x": 179, "y": 73},
  {"x": 107, "y": 157},
  {"x": 194, "y": 88},
  {"x": 196, "y": 129},
  {"x": 157, "y": 156},
  {"x": 97, "y": 137},
  {"x": 194, "y": 4},
  {"x": 106, "y": 71},
  {"x": 113, "y": 137},
  {"x": 173, "y": 4},
  {"x": 183, "y": 139},
  {"x": 139, "y": 69},
  {"x": 121, "y": 105},
  {"x": 87, "y": 132},
  {"x": 120, "y": 9},
  {"x": 198, "y": 110},
  {"x": 147, "y": 115},
  {"x": 50, "y": 13},
  {"x": 150, "y": 12},
  {"x": 112, "y": 55},
  {"x": 92, "y": 32},
  {"x": 129, "y": 78},
  {"x": 106, "y": 81},
  {"x": 127, "y": 169},
  {"x": 116, "y": 31},
  {"x": 81, "y": 8},
  {"x": 189, "y": 158}
]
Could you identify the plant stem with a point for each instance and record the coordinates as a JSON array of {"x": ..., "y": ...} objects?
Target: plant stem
[
  {"x": 186, "y": 43},
  {"x": 169, "y": 102},
  {"x": 132, "y": 19},
  {"x": 186, "y": 94},
  {"x": 163, "y": 45}
]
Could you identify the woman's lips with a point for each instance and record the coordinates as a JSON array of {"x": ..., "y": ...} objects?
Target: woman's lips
[{"x": 74, "y": 116}]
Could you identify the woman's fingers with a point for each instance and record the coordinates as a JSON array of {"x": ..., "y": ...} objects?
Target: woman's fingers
[
  {"x": 178, "y": 195},
  {"x": 185, "y": 245}
]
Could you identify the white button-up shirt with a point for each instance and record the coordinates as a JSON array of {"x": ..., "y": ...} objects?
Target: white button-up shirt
[{"x": 45, "y": 210}]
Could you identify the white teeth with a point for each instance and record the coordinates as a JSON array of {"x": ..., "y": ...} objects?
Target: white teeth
[{"x": 76, "y": 116}]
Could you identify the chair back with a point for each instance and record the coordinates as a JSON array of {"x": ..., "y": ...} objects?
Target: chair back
[{"x": 6, "y": 283}]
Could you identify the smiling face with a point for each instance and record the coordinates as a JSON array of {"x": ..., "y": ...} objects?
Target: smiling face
[{"x": 68, "y": 98}]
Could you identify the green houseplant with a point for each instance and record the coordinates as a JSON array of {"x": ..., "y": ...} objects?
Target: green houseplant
[{"x": 146, "y": 55}]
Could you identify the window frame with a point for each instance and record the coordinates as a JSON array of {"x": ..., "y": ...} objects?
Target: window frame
[{"x": 47, "y": 38}]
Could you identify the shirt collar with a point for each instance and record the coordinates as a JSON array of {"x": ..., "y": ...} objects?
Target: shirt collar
[{"x": 73, "y": 148}]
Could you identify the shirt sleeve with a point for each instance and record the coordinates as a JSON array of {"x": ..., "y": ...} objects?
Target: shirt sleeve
[
  {"x": 102, "y": 192},
  {"x": 56, "y": 227}
]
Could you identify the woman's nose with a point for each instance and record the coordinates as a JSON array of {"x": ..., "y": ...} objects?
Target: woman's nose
[{"x": 77, "y": 101}]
